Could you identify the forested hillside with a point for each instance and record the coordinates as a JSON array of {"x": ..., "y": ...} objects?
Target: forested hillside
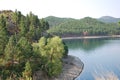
[
  {"x": 25, "y": 47},
  {"x": 86, "y": 26},
  {"x": 28, "y": 26},
  {"x": 109, "y": 19},
  {"x": 54, "y": 21}
]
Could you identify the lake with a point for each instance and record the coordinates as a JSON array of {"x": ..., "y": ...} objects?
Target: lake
[{"x": 101, "y": 57}]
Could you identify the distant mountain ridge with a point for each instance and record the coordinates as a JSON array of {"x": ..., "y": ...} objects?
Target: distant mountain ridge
[
  {"x": 109, "y": 19},
  {"x": 54, "y": 21},
  {"x": 85, "y": 27}
]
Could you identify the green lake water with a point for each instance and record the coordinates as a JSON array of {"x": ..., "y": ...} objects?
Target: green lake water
[{"x": 100, "y": 56}]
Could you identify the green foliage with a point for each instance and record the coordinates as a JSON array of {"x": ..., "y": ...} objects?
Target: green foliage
[
  {"x": 2, "y": 21},
  {"x": 29, "y": 26},
  {"x": 54, "y": 46},
  {"x": 27, "y": 74},
  {"x": 65, "y": 54},
  {"x": 87, "y": 26},
  {"x": 18, "y": 57},
  {"x": 54, "y": 21},
  {"x": 10, "y": 49},
  {"x": 3, "y": 34},
  {"x": 23, "y": 28},
  {"x": 25, "y": 48},
  {"x": 10, "y": 62},
  {"x": 51, "y": 50},
  {"x": 16, "y": 54},
  {"x": 54, "y": 68}
]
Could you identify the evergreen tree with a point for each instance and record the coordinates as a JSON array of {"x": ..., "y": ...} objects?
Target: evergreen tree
[
  {"x": 9, "y": 58},
  {"x": 2, "y": 21},
  {"x": 3, "y": 35},
  {"x": 18, "y": 57},
  {"x": 44, "y": 25},
  {"x": 25, "y": 49},
  {"x": 10, "y": 50},
  {"x": 23, "y": 28},
  {"x": 27, "y": 74},
  {"x": 52, "y": 50}
]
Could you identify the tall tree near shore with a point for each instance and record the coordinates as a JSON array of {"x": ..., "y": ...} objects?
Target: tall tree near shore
[{"x": 52, "y": 49}]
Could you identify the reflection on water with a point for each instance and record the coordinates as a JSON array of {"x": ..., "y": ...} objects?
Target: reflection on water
[
  {"x": 100, "y": 57},
  {"x": 85, "y": 44}
]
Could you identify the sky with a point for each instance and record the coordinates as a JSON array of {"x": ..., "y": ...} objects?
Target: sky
[{"x": 64, "y": 8}]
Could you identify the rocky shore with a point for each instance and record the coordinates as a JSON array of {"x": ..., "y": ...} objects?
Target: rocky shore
[{"x": 72, "y": 67}]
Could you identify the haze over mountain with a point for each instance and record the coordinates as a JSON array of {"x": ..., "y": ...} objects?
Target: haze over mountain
[
  {"x": 109, "y": 19},
  {"x": 82, "y": 27},
  {"x": 54, "y": 21}
]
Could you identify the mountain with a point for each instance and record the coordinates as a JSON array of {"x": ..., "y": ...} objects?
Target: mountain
[
  {"x": 109, "y": 19},
  {"x": 86, "y": 26},
  {"x": 54, "y": 21}
]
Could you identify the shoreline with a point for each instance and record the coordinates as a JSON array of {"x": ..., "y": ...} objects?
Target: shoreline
[
  {"x": 91, "y": 37},
  {"x": 71, "y": 69}
]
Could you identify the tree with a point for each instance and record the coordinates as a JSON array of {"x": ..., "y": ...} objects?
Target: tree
[
  {"x": 65, "y": 54},
  {"x": 44, "y": 25},
  {"x": 27, "y": 74},
  {"x": 2, "y": 21},
  {"x": 18, "y": 57},
  {"x": 17, "y": 16},
  {"x": 3, "y": 34},
  {"x": 9, "y": 58},
  {"x": 25, "y": 48},
  {"x": 30, "y": 34},
  {"x": 3, "y": 40},
  {"x": 22, "y": 27},
  {"x": 52, "y": 49},
  {"x": 56, "y": 47},
  {"x": 10, "y": 49}
]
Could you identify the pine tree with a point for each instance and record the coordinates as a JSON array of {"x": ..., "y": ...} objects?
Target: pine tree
[
  {"x": 51, "y": 50},
  {"x": 25, "y": 48},
  {"x": 22, "y": 27},
  {"x": 27, "y": 74},
  {"x": 3, "y": 40},
  {"x": 10, "y": 49},
  {"x": 3, "y": 34}
]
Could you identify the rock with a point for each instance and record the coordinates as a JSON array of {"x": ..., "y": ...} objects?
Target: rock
[{"x": 72, "y": 67}]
